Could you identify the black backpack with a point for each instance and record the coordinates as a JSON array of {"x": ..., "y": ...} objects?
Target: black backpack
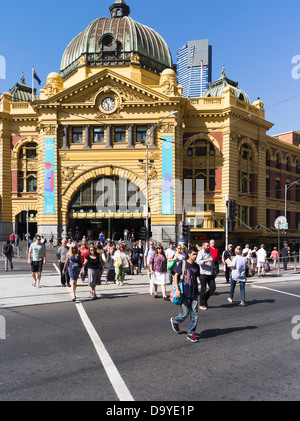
[{"x": 7, "y": 250}]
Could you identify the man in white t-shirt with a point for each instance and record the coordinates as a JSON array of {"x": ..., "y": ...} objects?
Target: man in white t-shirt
[
  {"x": 261, "y": 256},
  {"x": 170, "y": 253}
]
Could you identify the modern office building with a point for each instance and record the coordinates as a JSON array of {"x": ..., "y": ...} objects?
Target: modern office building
[
  {"x": 194, "y": 68},
  {"x": 76, "y": 156}
]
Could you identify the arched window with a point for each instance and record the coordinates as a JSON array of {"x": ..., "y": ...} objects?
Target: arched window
[
  {"x": 201, "y": 148},
  {"x": 108, "y": 195},
  {"x": 28, "y": 151},
  {"x": 246, "y": 153},
  {"x": 108, "y": 43},
  {"x": 248, "y": 169}
]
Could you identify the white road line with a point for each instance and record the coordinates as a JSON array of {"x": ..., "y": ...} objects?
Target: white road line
[
  {"x": 111, "y": 370},
  {"x": 56, "y": 268},
  {"x": 276, "y": 290}
]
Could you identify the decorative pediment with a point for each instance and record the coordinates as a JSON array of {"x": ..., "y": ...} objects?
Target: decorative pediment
[{"x": 86, "y": 92}]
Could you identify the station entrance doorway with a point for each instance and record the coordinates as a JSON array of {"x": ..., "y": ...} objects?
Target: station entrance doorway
[{"x": 112, "y": 228}]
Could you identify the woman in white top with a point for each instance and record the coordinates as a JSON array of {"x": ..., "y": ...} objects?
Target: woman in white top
[
  {"x": 121, "y": 263},
  {"x": 177, "y": 256}
]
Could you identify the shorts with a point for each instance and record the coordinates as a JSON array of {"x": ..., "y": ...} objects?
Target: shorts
[
  {"x": 261, "y": 264},
  {"x": 36, "y": 266}
]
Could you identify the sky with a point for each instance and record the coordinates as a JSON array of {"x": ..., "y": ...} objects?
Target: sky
[{"x": 258, "y": 42}]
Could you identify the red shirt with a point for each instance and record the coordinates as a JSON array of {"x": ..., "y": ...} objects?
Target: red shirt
[
  {"x": 215, "y": 254},
  {"x": 84, "y": 252}
]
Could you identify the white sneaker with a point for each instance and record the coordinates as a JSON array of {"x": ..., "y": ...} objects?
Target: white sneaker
[{"x": 229, "y": 300}]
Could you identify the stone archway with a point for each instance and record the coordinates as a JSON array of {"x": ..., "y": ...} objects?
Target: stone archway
[
  {"x": 97, "y": 174},
  {"x": 85, "y": 177}
]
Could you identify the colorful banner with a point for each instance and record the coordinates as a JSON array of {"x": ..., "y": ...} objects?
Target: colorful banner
[
  {"x": 49, "y": 186},
  {"x": 167, "y": 191}
]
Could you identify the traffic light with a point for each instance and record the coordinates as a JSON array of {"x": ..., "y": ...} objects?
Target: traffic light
[
  {"x": 185, "y": 230},
  {"x": 232, "y": 210},
  {"x": 231, "y": 226}
]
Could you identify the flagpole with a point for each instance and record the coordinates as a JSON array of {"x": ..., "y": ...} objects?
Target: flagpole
[{"x": 32, "y": 83}]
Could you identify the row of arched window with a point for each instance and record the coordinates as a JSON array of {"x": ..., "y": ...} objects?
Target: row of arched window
[{"x": 279, "y": 162}]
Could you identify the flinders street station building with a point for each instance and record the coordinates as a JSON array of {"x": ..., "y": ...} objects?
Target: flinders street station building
[{"x": 110, "y": 143}]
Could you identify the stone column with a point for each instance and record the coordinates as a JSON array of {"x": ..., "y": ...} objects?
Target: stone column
[
  {"x": 87, "y": 136},
  {"x": 108, "y": 136},
  {"x": 65, "y": 137},
  {"x": 130, "y": 136}
]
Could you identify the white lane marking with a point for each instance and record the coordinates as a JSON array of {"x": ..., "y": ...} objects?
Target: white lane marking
[
  {"x": 110, "y": 368},
  {"x": 56, "y": 268},
  {"x": 276, "y": 290}
]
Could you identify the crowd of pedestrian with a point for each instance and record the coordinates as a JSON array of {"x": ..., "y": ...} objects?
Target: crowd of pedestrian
[{"x": 191, "y": 271}]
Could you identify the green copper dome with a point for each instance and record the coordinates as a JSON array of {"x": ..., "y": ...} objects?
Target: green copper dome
[
  {"x": 215, "y": 89},
  {"x": 109, "y": 42}
]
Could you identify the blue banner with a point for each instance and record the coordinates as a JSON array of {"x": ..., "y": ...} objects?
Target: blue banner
[
  {"x": 49, "y": 186},
  {"x": 167, "y": 191}
]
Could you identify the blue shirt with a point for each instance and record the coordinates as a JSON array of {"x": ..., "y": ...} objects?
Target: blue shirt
[{"x": 239, "y": 265}]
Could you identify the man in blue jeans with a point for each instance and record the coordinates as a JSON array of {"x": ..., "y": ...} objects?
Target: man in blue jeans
[{"x": 190, "y": 294}]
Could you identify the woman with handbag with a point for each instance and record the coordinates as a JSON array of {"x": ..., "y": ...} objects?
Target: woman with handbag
[
  {"x": 94, "y": 266},
  {"x": 122, "y": 263},
  {"x": 74, "y": 265},
  {"x": 174, "y": 260},
  {"x": 158, "y": 269},
  {"x": 239, "y": 266}
]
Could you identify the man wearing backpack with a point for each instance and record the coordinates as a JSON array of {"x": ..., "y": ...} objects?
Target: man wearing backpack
[
  {"x": 190, "y": 273},
  {"x": 8, "y": 252}
]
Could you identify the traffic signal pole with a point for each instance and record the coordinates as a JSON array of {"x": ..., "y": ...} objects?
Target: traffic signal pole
[{"x": 227, "y": 221}]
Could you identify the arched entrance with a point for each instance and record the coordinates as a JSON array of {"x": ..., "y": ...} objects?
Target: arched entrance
[{"x": 111, "y": 204}]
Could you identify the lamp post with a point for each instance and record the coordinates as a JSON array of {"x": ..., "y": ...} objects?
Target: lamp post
[
  {"x": 286, "y": 187},
  {"x": 147, "y": 171},
  {"x": 227, "y": 221}
]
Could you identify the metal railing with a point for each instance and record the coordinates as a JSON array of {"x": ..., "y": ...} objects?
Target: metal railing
[{"x": 283, "y": 265}]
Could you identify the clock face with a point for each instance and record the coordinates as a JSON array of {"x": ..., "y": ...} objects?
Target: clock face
[{"x": 108, "y": 104}]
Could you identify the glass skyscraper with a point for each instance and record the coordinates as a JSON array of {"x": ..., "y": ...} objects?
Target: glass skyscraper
[{"x": 194, "y": 68}]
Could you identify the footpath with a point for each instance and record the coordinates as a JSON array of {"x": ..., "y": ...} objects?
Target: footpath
[{"x": 16, "y": 288}]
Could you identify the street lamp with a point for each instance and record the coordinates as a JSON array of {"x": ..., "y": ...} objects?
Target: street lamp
[
  {"x": 147, "y": 170},
  {"x": 286, "y": 187}
]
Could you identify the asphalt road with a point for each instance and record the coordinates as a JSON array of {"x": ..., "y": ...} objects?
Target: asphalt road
[{"x": 244, "y": 354}]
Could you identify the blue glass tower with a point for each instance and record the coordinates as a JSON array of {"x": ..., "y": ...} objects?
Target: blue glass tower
[{"x": 194, "y": 68}]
